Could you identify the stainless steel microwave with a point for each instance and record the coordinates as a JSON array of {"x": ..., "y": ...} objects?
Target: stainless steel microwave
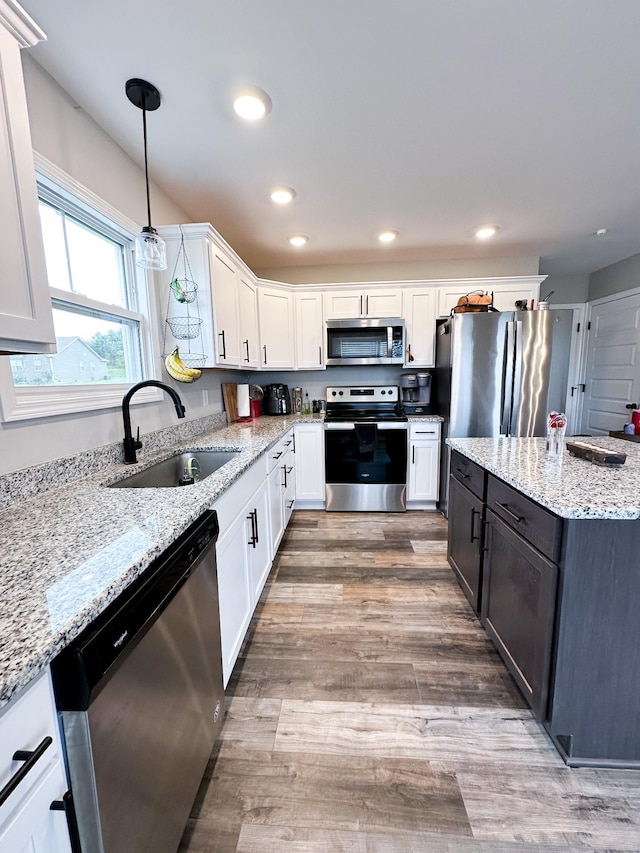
[{"x": 365, "y": 341}]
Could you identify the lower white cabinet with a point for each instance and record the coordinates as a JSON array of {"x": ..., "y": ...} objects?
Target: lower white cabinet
[
  {"x": 281, "y": 487},
  {"x": 29, "y": 724},
  {"x": 423, "y": 464},
  {"x": 243, "y": 557},
  {"x": 310, "y": 478}
]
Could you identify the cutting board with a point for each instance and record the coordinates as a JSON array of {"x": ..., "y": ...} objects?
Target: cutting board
[{"x": 230, "y": 398}]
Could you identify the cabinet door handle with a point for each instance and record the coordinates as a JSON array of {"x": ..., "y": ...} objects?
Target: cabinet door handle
[
  {"x": 505, "y": 507},
  {"x": 320, "y": 355},
  {"x": 223, "y": 354},
  {"x": 284, "y": 469},
  {"x": 413, "y": 454},
  {"x": 425, "y": 432},
  {"x": 360, "y": 304},
  {"x": 462, "y": 474},
  {"x": 366, "y": 310},
  {"x": 291, "y": 503},
  {"x": 246, "y": 343},
  {"x": 255, "y": 515},
  {"x": 67, "y": 806},
  {"x": 486, "y": 526},
  {"x": 473, "y": 536},
  {"x": 265, "y": 353},
  {"x": 254, "y": 538},
  {"x": 30, "y": 758}
]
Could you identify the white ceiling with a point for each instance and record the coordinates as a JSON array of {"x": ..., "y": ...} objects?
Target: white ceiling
[{"x": 430, "y": 117}]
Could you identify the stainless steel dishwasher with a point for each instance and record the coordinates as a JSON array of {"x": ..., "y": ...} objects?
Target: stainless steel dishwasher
[{"x": 141, "y": 701}]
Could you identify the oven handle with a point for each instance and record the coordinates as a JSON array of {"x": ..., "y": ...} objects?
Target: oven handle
[{"x": 382, "y": 425}]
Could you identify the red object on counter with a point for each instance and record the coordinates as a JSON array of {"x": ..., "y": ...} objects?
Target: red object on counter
[
  {"x": 254, "y": 408},
  {"x": 635, "y": 420}
]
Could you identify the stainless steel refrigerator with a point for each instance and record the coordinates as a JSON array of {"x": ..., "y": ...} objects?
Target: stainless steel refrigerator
[{"x": 499, "y": 373}]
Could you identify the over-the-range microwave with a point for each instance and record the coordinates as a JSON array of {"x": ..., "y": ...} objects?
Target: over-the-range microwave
[{"x": 365, "y": 341}]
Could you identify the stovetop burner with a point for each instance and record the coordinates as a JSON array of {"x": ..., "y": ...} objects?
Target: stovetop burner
[{"x": 369, "y": 403}]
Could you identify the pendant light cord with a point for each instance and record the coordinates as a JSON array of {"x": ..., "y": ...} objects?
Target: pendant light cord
[{"x": 146, "y": 163}]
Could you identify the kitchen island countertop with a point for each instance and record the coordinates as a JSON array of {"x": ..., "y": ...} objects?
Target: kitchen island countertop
[
  {"x": 568, "y": 486},
  {"x": 67, "y": 553}
]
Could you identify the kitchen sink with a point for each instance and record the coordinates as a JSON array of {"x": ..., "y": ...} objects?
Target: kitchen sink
[{"x": 183, "y": 469}]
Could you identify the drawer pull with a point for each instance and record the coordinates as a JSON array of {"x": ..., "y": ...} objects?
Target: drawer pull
[
  {"x": 30, "y": 758},
  {"x": 505, "y": 507},
  {"x": 462, "y": 474},
  {"x": 473, "y": 536},
  {"x": 277, "y": 455},
  {"x": 67, "y": 806}
]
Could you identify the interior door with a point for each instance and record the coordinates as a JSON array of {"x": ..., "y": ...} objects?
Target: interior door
[{"x": 612, "y": 374}]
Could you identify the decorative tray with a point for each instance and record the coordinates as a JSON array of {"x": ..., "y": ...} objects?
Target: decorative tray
[{"x": 597, "y": 455}]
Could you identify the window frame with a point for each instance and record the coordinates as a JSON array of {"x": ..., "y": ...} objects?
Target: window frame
[{"x": 26, "y": 403}]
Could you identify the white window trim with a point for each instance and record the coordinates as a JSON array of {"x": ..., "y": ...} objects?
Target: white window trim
[{"x": 43, "y": 402}]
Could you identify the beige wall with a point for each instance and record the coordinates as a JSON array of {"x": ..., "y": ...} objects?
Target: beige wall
[{"x": 403, "y": 271}]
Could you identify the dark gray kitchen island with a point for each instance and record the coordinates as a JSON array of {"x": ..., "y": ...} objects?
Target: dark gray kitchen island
[{"x": 546, "y": 550}]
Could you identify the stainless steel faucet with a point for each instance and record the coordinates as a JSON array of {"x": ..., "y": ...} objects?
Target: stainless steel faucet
[{"x": 130, "y": 443}]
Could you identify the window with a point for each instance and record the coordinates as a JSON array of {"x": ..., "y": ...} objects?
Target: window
[
  {"x": 100, "y": 309},
  {"x": 87, "y": 270}
]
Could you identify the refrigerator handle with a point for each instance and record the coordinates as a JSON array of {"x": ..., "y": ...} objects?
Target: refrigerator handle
[
  {"x": 517, "y": 381},
  {"x": 505, "y": 417}
]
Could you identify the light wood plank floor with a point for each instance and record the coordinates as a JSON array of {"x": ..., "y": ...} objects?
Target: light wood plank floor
[{"x": 369, "y": 713}]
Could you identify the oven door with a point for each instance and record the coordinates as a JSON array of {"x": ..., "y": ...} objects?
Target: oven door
[{"x": 366, "y": 466}]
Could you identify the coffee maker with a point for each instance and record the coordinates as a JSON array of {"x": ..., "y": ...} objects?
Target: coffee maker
[
  {"x": 415, "y": 393},
  {"x": 277, "y": 400}
]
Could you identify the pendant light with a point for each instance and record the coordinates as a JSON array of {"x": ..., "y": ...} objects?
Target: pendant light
[{"x": 151, "y": 253}]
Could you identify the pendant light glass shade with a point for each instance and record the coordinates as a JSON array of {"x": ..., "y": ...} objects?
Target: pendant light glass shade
[{"x": 151, "y": 252}]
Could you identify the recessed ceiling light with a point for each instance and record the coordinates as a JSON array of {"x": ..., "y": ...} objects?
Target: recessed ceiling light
[
  {"x": 298, "y": 240},
  {"x": 486, "y": 231},
  {"x": 601, "y": 232},
  {"x": 282, "y": 195},
  {"x": 252, "y": 104},
  {"x": 387, "y": 236}
]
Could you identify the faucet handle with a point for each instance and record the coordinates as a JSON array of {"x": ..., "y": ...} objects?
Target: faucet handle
[{"x": 137, "y": 443}]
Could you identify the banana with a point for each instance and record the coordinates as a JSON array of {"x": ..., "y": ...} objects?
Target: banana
[{"x": 177, "y": 369}]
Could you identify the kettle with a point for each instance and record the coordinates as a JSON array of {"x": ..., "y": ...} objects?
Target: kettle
[{"x": 277, "y": 400}]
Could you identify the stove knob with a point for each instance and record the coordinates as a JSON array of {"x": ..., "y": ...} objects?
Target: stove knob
[
  {"x": 340, "y": 393},
  {"x": 383, "y": 391},
  {"x": 333, "y": 393}
]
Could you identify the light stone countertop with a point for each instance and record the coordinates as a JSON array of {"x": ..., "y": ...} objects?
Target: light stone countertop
[
  {"x": 67, "y": 552},
  {"x": 568, "y": 486}
]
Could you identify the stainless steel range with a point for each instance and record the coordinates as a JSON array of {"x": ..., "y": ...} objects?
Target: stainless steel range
[{"x": 365, "y": 449}]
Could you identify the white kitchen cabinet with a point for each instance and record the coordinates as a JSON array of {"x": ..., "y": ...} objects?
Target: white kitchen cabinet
[
  {"x": 277, "y": 328},
  {"x": 419, "y": 312},
  {"x": 310, "y": 331},
  {"x": 241, "y": 571},
  {"x": 423, "y": 464},
  {"x": 281, "y": 466},
  {"x": 248, "y": 310},
  {"x": 26, "y": 318},
  {"x": 27, "y": 823},
  {"x": 226, "y": 315},
  {"x": 310, "y": 478},
  {"x": 505, "y": 291},
  {"x": 374, "y": 302}
]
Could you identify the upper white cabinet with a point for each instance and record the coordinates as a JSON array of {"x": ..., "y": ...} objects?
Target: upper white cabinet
[
  {"x": 505, "y": 291},
  {"x": 248, "y": 309},
  {"x": 26, "y": 318},
  {"x": 419, "y": 312},
  {"x": 277, "y": 328},
  {"x": 379, "y": 302},
  {"x": 309, "y": 331},
  {"x": 226, "y": 314}
]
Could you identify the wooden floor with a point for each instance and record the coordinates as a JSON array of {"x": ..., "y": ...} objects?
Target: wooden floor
[{"x": 369, "y": 713}]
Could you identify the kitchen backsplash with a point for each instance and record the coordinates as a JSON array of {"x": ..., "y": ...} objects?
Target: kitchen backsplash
[{"x": 21, "y": 485}]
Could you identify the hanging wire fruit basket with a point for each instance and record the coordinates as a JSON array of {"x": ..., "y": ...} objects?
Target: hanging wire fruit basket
[
  {"x": 184, "y": 328},
  {"x": 184, "y": 290},
  {"x": 194, "y": 359}
]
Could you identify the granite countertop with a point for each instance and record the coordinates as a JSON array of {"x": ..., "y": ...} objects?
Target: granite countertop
[
  {"x": 569, "y": 486},
  {"x": 66, "y": 553},
  {"x": 424, "y": 418}
]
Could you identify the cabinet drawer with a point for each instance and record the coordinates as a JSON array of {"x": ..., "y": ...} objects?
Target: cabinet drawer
[
  {"x": 276, "y": 454},
  {"x": 534, "y": 523},
  {"x": 468, "y": 473},
  {"x": 427, "y": 431}
]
